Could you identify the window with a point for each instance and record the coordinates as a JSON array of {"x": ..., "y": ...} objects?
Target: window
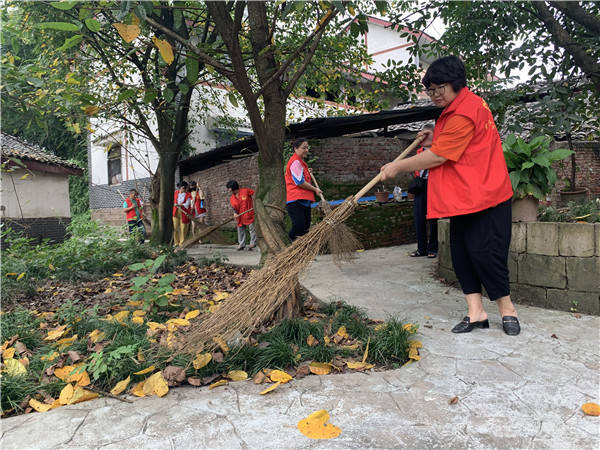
[{"x": 114, "y": 164}]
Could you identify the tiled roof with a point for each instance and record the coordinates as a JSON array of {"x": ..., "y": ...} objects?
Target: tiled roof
[{"x": 11, "y": 146}]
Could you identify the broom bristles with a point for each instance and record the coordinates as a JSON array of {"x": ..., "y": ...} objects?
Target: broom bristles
[{"x": 266, "y": 289}]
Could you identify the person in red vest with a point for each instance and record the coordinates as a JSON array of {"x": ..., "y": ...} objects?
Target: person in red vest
[
  {"x": 425, "y": 247},
  {"x": 182, "y": 202},
  {"x": 198, "y": 206},
  {"x": 469, "y": 183},
  {"x": 133, "y": 211},
  {"x": 300, "y": 193},
  {"x": 241, "y": 201}
]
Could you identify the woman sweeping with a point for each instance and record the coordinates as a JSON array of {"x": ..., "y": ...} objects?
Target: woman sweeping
[
  {"x": 469, "y": 183},
  {"x": 299, "y": 190}
]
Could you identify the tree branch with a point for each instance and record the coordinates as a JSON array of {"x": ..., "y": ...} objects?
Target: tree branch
[
  {"x": 574, "y": 11},
  {"x": 292, "y": 83}
]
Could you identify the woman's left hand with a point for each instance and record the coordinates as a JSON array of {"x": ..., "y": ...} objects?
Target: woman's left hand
[{"x": 389, "y": 171}]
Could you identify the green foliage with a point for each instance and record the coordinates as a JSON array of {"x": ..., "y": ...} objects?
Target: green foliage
[
  {"x": 580, "y": 211},
  {"x": 390, "y": 344},
  {"x": 529, "y": 165},
  {"x": 23, "y": 323},
  {"x": 153, "y": 294}
]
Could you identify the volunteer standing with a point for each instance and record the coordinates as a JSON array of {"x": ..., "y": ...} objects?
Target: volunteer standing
[
  {"x": 469, "y": 183},
  {"x": 242, "y": 203},
  {"x": 300, "y": 193},
  {"x": 182, "y": 201}
]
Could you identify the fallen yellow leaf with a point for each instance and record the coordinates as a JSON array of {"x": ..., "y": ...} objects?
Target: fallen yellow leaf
[
  {"x": 118, "y": 274},
  {"x": 127, "y": 32},
  {"x": 134, "y": 303},
  {"x": 315, "y": 426},
  {"x": 82, "y": 395},
  {"x": 120, "y": 386},
  {"x": 410, "y": 327},
  {"x": 364, "y": 358},
  {"x": 220, "y": 296},
  {"x": 121, "y": 316},
  {"x": 39, "y": 406},
  {"x": 66, "y": 394},
  {"x": 146, "y": 370},
  {"x": 137, "y": 320},
  {"x": 218, "y": 383},
  {"x": 140, "y": 355},
  {"x": 164, "y": 48},
  {"x": 180, "y": 291},
  {"x": 21, "y": 275},
  {"x": 413, "y": 354},
  {"x": 96, "y": 336},
  {"x": 156, "y": 326},
  {"x": 270, "y": 388},
  {"x": 327, "y": 340},
  {"x": 202, "y": 360},
  {"x": 415, "y": 344},
  {"x": 179, "y": 322},
  {"x": 55, "y": 333},
  {"x": 591, "y": 409},
  {"x": 222, "y": 344},
  {"x": 279, "y": 375},
  {"x": 14, "y": 367},
  {"x": 8, "y": 353},
  {"x": 51, "y": 357},
  {"x": 138, "y": 313},
  {"x": 342, "y": 332},
  {"x": 311, "y": 341},
  {"x": 108, "y": 291},
  {"x": 319, "y": 368},
  {"x": 359, "y": 365},
  {"x": 237, "y": 375},
  {"x": 156, "y": 385},
  {"x": 138, "y": 389},
  {"x": 65, "y": 342},
  {"x": 192, "y": 314}
]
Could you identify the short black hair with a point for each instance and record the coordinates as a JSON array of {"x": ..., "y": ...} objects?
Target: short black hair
[
  {"x": 298, "y": 142},
  {"x": 133, "y": 190},
  {"x": 183, "y": 184},
  {"x": 233, "y": 185},
  {"x": 449, "y": 69}
]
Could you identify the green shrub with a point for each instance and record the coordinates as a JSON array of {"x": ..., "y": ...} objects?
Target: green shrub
[{"x": 580, "y": 211}]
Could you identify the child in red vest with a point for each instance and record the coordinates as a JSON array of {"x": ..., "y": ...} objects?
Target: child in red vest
[
  {"x": 241, "y": 201},
  {"x": 133, "y": 210}
]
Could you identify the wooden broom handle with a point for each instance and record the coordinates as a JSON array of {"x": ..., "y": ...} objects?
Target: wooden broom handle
[
  {"x": 375, "y": 180},
  {"x": 317, "y": 186}
]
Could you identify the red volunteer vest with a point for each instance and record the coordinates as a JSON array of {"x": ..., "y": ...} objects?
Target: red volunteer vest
[
  {"x": 197, "y": 207},
  {"x": 184, "y": 217},
  {"x": 243, "y": 202},
  {"x": 294, "y": 192},
  {"x": 479, "y": 179},
  {"x": 131, "y": 213}
]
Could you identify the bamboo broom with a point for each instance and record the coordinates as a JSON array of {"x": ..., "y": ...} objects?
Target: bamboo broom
[
  {"x": 192, "y": 240},
  {"x": 267, "y": 289}
]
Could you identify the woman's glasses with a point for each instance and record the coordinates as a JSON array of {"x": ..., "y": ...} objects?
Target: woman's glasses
[{"x": 437, "y": 90}]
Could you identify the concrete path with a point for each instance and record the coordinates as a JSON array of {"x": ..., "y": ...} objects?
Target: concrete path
[{"x": 514, "y": 392}]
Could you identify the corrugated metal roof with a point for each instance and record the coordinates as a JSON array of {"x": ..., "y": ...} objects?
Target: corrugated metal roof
[{"x": 12, "y": 146}]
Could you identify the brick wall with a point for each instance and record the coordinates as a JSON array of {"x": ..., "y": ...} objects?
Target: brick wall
[
  {"x": 53, "y": 228},
  {"x": 587, "y": 157},
  {"x": 105, "y": 196}
]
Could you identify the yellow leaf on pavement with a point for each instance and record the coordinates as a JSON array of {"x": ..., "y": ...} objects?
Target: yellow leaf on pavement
[
  {"x": 270, "y": 388},
  {"x": 413, "y": 354},
  {"x": 138, "y": 389},
  {"x": 39, "y": 406},
  {"x": 319, "y": 368},
  {"x": 82, "y": 395},
  {"x": 279, "y": 375},
  {"x": 14, "y": 367},
  {"x": 8, "y": 353},
  {"x": 55, "y": 333},
  {"x": 144, "y": 371},
  {"x": 156, "y": 385},
  {"x": 127, "y": 32},
  {"x": 237, "y": 375},
  {"x": 66, "y": 394},
  {"x": 415, "y": 344},
  {"x": 96, "y": 336},
  {"x": 164, "y": 48},
  {"x": 192, "y": 314},
  {"x": 222, "y": 344},
  {"x": 411, "y": 327},
  {"x": 315, "y": 426},
  {"x": 218, "y": 383},
  {"x": 120, "y": 386},
  {"x": 202, "y": 360},
  {"x": 591, "y": 409}
]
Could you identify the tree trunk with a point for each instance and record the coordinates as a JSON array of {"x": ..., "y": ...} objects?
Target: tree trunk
[{"x": 163, "y": 229}]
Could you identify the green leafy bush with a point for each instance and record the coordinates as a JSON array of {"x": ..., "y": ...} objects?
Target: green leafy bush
[
  {"x": 580, "y": 211},
  {"x": 530, "y": 165}
]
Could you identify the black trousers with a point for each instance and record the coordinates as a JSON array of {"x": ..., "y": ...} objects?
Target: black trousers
[
  {"x": 424, "y": 245},
  {"x": 479, "y": 244},
  {"x": 300, "y": 217},
  {"x": 137, "y": 226}
]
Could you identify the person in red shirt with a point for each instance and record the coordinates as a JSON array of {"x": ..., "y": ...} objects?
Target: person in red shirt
[
  {"x": 241, "y": 202},
  {"x": 198, "y": 209},
  {"x": 469, "y": 183},
  {"x": 300, "y": 193},
  {"x": 132, "y": 206},
  {"x": 182, "y": 201}
]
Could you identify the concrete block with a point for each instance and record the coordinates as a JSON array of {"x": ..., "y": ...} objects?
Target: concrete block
[
  {"x": 542, "y": 238},
  {"x": 444, "y": 231},
  {"x": 513, "y": 265},
  {"x": 447, "y": 274},
  {"x": 576, "y": 239},
  {"x": 583, "y": 274},
  {"x": 541, "y": 270},
  {"x": 445, "y": 256},
  {"x": 518, "y": 241},
  {"x": 597, "y": 233},
  {"x": 528, "y": 295},
  {"x": 574, "y": 301}
]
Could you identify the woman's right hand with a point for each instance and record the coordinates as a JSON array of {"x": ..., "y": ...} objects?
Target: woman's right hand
[{"x": 428, "y": 134}]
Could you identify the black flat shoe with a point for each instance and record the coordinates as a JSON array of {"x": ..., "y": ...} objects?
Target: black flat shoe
[
  {"x": 511, "y": 325},
  {"x": 466, "y": 326}
]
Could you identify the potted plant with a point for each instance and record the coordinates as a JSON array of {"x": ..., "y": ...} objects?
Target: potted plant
[{"x": 531, "y": 173}]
